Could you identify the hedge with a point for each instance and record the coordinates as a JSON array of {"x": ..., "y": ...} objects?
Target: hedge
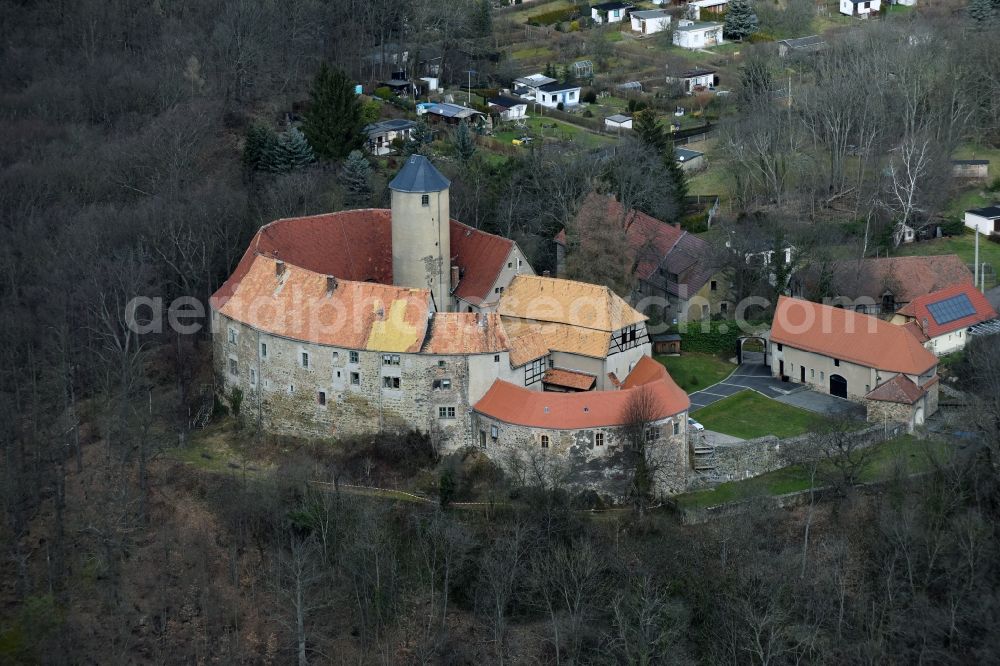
[
  {"x": 720, "y": 338},
  {"x": 554, "y": 16}
]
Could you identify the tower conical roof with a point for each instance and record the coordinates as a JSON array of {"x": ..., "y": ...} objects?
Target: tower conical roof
[{"x": 419, "y": 175}]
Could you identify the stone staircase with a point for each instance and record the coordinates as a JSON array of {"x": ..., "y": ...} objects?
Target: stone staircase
[{"x": 702, "y": 454}]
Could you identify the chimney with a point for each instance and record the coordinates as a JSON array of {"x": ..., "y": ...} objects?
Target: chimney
[
  {"x": 455, "y": 276},
  {"x": 331, "y": 284},
  {"x": 546, "y": 274},
  {"x": 279, "y": 268}
]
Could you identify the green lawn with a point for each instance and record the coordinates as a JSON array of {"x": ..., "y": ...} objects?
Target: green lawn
[
  {"x": 905, "y": 453},
  {"x": 541, "y": 127},
  {"x": 694, "y": 371},
  {"x": 748, "y": 414}
]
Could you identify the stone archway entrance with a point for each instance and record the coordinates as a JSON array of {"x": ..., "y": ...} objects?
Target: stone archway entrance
[
  {"x": 751, "y": 349},
  {"x": 838, "y": 386}
]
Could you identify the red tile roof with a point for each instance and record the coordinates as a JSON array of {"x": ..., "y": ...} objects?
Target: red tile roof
[
  {"x": 588, "y": 409},
  {"x": 654, "y": 243},
  {"x": 300, "y": 304},
  {"x": 481, "y": 257},
  {"x": 578, "y": 381},
  {"x": 899, "y": 389},
  {"x": 357, "y": 245},
  {"x": 848, "y": 335},
  {"x": 918, "y": 310}
]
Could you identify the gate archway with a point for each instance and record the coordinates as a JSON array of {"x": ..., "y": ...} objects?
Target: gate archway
[
  {"x": 838, "y": 386},
  {"x": 751, "y": 344}
]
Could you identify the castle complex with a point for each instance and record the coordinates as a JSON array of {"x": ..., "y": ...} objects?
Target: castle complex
[{"x": 368, "y": 320}]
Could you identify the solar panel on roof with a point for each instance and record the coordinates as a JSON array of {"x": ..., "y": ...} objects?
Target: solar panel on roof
[{"x": 951, "y": 309}]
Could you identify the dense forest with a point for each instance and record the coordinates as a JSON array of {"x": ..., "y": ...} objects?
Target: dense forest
[{"x": 123, "y": 174}]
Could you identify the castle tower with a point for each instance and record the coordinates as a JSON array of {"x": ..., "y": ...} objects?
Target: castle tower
[{"x": 421, "y": 231}]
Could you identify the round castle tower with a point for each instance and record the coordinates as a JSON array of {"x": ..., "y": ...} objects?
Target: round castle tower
[{"x": 421, "y": 230}]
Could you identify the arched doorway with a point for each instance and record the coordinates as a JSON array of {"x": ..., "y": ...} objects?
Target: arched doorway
[
  {"x": 838, "y": 386},
  {"x": 751, "y": 349},
  {"x": 918, "y": 416}
]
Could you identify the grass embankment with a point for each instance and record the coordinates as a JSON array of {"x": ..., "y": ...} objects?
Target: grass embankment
[
  {"x": 748, "y": 415},
  {"x": 905, "y": 454},
  {"x": 693, "y": 371},
  {"x": 964, "y": 246}
]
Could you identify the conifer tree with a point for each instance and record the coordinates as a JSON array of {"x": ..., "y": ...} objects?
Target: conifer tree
[
  {"x": 462, "y": 141},
  {"x": 289, "y": 152},
  {"x": 259, "y": 142},
  {"x": 420, "y": 139},
  {"x": 741, "y": 20},
  {"x": 357, "y": 177},
  {"x": 335, "y": 118}
]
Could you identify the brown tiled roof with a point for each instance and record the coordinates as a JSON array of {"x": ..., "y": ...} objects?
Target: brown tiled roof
[
  {"x": 899, "y": 389},
  {"x": 848, "y": 335},
  {"x": 587, "y": 409},
  {"x": 357, "y": 245},
  {"x": 654, "y": 243},
  {"x": 906, "y": 277},
  {"x": 914, "y": 329},
  {"x": 918, "y": 310},
  {"x": 578, "y": 381},
  {"x": 481, "y": 257},
  {"x": 465, "y": 333},
  {"x": 525, "y": 347},
  {"x": 562, "y": 337},
  {"x": 299, "y": 304},
  {"x": 579, "y": 304}
]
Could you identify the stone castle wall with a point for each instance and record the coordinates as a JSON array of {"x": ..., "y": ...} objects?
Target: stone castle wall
[
  {"x": 575, "y": 460},
  {"x": 282, "y": 393}
]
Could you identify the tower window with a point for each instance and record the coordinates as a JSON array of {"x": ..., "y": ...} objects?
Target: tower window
[
  {"x": 305, "y": 359},
  {"x": 545, "y": 441},
  {"x": 355, "y": 379},
  {"x": 425, "y": 200},
  {"x": 354, "y": 357},
  {"x": 321, "y": 397}
]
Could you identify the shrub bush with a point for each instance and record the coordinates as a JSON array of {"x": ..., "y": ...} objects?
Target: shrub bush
[
  {"x": 589, "y": 96},
  {"x": 550, "y": 17},
  {"x": 383, "y": 92}
]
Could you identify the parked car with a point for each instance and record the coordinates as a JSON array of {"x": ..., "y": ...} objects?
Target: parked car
[{"x": 694, "y": 425}]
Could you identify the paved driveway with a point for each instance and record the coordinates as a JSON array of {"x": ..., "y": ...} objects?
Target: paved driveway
[{"x": 753, "y": 374}]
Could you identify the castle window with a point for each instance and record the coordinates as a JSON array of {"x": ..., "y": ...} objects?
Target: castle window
[
  {"x": 836, "y": 362},
  {"x": 545, "y": 441},
  {"x": 425, "y": 200},
  {"x": 355, "y": 379},
  {"x": 446, "y": 412},
  {"x": 336, "y": 356},
  {"x": 253, "y": 377},
  {"x": 390, "y": 359},
  {"x": 822, "y": 376},
  {"x": 677, "y": 427},
  {"x": 723, "y": 307},
  {"x": 232, "y": 336},
  {"x": 441, "y": 364},
  {"x": 263, "y": 350},
  {"x": 652, "y": 434},
  {"x": 494, "y": 432},
  {"x": 812, "y": 373},
  {"x": 321, "y": 397},
  {"x": 598, "y": 439},
  {"x": 233, "y": 367},
  {"x": 446, "y": 384},
  {"x": 510, "y": 264},
  {"x": 305, "y": 359},
  {"x": 780, "y": 347},
  {"x": 496, "y": 358},
  {"x": 390, "y": 382},
  {"x": 354, "y": 357},
  {"x": 714, "y": 286}
]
